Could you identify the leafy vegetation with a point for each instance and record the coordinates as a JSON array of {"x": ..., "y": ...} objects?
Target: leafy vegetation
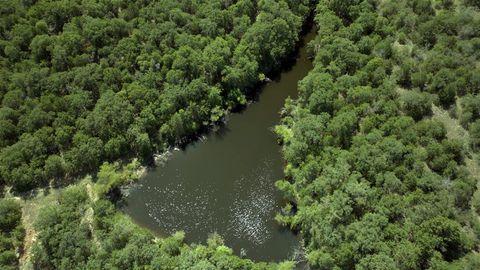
[
  {"x": 84, "y": 82},
  {"x": 11, "y": 233},
  {"x": 100, "y": 86},
  {"x": 112, "y": 176},
  {"x": 81, "y": 233},
  {"x": 374, "y": 180}
]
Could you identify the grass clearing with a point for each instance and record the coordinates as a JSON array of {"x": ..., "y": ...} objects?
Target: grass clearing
[
  {"x": 31, "y": 208},
  {"x": 30, "y": 211},
  {"x": 40, "y": 198}
]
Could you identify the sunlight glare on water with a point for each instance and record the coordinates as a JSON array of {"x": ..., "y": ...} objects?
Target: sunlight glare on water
[
  {"x": 249, "y": 217},
  {"x": 225, "y": 182}
]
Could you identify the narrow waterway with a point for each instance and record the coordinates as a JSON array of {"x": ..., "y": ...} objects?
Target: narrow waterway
[{"x": 225, "y": 182}]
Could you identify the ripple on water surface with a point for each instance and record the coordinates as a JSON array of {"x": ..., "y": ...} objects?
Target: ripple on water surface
[
  {"x": 174, "y": 209},
  {"x": 188, "y": 207},
  {"x": 249, "y": 215}
]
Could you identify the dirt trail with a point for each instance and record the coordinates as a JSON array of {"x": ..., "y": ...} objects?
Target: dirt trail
[
  {"x": 30, "y": 211},
  {"x": 89, "y": 213}
]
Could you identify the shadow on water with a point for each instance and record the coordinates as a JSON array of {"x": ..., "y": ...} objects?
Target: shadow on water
[{"x": 224, "y": 182}]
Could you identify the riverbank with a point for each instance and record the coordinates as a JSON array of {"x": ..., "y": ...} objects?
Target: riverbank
[
  {"x": 110, "y": 177},
  {"x": 224, "y": 183}
]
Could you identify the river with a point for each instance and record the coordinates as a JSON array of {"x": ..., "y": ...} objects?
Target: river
[{"x": 224, "y": 183}]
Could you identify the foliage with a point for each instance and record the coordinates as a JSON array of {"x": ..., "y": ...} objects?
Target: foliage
[
  {"x": 11, "y": 233},
  {"x": 78, "y": 233},
  {"x": 475, "y": 134},
  {"x": 373, "y": 182},
  {"x": 111, "y": 176},
  {"x": 88, "y": 82},
  {"x": 89, "y": 86}
]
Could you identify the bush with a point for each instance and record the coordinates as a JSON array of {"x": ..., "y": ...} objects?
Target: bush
[
  {"x": 417, "y": 104},
  {"x": 474, "y": 131}
]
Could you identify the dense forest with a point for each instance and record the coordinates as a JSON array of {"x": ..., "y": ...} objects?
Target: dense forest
[
  {"x": 381, "y": 146},
  {"x": 87, "y": 86},
  {"x": 83, "y": 82},
  {"x": 379, "y": 174}
]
